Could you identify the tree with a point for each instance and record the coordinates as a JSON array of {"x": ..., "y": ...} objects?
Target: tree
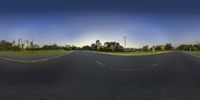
[
  {"x": 158, "y": 48},
  {"x": 168, "y": 47},
  {"x": 4, "y": 45},
  {"x": 186, "y": 47},
  {"x": 93, "y": 46},
  {"x": 52, "y": 47},
  {"x": 145, "y": 48},
  {"x": 152, "y": 48},
  {"x": 74, "y": 47},
  {"x": 112, "y": 46},
  {"x": 87, "y": 47},
  {"x": 196, "y": 47}
]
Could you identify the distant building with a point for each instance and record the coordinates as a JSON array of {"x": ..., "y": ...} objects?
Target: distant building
[
  {"x": 162, "y": 47},
  {"x": 13, "y": 43},
  {"x": 20, "y": 44},
  {"x": 23, "y": 45},
  {"x": 26, "y": 44}
]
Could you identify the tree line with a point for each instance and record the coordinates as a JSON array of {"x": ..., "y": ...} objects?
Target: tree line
[
  {"x": 189, "y": 47},
  {"x": 5, "y": 45},
  {"x": 166, "y": 47},
  {"x": 107, "y": 46}
]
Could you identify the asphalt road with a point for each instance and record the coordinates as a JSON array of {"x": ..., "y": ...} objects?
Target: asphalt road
[{"x": 84, "y": 75}]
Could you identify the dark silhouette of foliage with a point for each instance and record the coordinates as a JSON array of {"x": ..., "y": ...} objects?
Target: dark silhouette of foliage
[
  {"x": 168, "y": 47},
  {"x": 4, "y": 45}
]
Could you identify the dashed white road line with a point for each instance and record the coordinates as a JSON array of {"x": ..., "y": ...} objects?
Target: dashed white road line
[
  {"x": 155, "y": 64},
  {"x": 85, "y": 54},
  {"x": 98, "y": 62},
  {"x": 119, "y": 69}
]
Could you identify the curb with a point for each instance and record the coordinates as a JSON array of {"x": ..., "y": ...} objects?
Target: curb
[{"x": 35, "y": 61}]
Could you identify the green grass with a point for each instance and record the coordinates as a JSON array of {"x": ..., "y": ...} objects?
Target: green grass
[
  {"x": 196, "y": 51},
  {"x": 137, "y": 52},
  {"x": 32, "y": 52}
]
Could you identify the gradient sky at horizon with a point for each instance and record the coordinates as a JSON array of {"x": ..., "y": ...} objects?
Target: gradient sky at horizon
[{"x": 82, "y": 23}]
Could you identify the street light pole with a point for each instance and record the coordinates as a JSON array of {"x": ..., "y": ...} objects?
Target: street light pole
[
  {"x": 125, "y": 41},
  {"x": 32, "y": 44}
]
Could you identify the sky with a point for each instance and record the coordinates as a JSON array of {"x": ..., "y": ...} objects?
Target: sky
[{"x": 82, "y": 22}]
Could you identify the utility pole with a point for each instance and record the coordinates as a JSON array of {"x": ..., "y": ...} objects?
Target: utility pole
[
  {"x": 125, "y": 41},
  {"x": 32, "y": 44}
]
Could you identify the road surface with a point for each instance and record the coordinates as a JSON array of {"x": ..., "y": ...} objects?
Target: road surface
[{"x": 83, "y": 75}]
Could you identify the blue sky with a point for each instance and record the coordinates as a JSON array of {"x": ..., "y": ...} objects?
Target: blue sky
[{"x": 84, "y": 22}]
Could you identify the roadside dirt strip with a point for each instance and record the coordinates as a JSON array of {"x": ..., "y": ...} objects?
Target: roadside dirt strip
[{"x": 44, "y": 58}]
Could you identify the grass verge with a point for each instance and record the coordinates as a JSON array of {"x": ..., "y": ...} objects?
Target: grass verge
[
  {"x": 32, "y": 52},
  {"x": 195, "y": 51}
]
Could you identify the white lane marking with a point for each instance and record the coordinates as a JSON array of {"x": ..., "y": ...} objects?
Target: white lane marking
[
  {"x": 98, "y": 62},
  {"x": 155, "y": 64},
  {"x": 85, "y": 54},
  {"x": 119, "y": 69}
]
